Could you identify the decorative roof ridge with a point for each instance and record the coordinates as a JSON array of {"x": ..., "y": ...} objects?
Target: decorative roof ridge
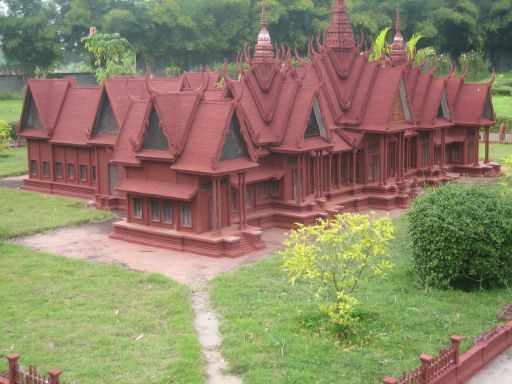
[
  {"x": 267, "y": 116},
  {"x": 51, "y": 129},
  {"x": 398, "y": 48},
  {"x": 89, "y": 132},
  {"x": 419, "y": 114},
  {"x": 366, "y": 100},
  {"x": 340, "y": 35},
  {"x": 264, "y": 51},
  {"x": 117, "y": 147}
]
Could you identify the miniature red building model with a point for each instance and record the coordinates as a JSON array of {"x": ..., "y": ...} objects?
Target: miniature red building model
[{"x": 202, "y": 162}]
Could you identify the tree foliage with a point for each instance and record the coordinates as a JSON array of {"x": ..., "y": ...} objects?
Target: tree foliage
[
  {"x": 335, "y": 257},
  {"x": 199, "y": 32},
  {"x": 462, "y": 236},
  {"x": 110, "y": 54}
]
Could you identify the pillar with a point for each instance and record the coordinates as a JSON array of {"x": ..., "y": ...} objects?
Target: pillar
[
  {"x": 13, "y": 368},
  {"x": 487, "y": 161},
  {"x": 456, "y": 340},
  {"x": 354, "y": 154},
  {"x": 214, "y": 205},
  {"x": 241, "y": 208},
  {"x": 426, "y": 361},
  {"x": 385, "y": 160},
  {"x": 431, "y": 148},
  {"x": 443, "y": 148},
  {"x": 476, "y": 143},
  {"x": 219, "y": 206},
  {"x": 329, "y": 170},
  {"x": 382, "y": 160},
  {"x": 54, "y": 376}
]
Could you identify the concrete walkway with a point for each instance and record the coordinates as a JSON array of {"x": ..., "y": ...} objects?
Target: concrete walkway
[
  {"x": 12, "y": 182},
  {"x": 498, "y": 372}
]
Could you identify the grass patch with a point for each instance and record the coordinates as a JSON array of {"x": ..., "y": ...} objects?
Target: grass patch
[
  {"x": 13, "y": 162},
  {"x": 497, "y": 152},
  {"x": 10, "y": 110},
  {"x": 274, "y": 334},
  {"x": 503, "y": 106},
  {"x": 25, "y": 213},
  {"x": 85, "y": 318}
]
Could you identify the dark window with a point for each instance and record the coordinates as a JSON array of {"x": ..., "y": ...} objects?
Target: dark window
[
  {"x": 186, "y": 215},
  {"x": 264, "y": 189},
  {"x": 250, "y": 197},
  {"x": 234, "y": 200},
  {"x": 425, "y": 136},
  {"x": 167, "y": 216},
  {"x": 313, "y": 129},
  {"x": 437, "y": 154},
  {"x": 426, "y": 154},
  {"x": 83, "y": 173},
  {"x": 113, "y": 178},
  {"x": 106, "y": 123},
  {"x": 46, "y": 169},
  {"x": 71, "y": 172},
  {"x": 471, "y": 151},
  {"x": 33, "y": 167},
  {"x": 234, "y": 146},
  {"x": 295, "y": 181},
  {"x": 94, "y": 174},
  {"x": 488, "y": 108},
  {"x": 31, "y": 118},
  {"x": 137, "y": 208},
  {"x": 440, "y": 113},
  {"x": 154, "y": 137},
  {"x": 274, "y": 188},
  {"x": 155, "y": 210},
  {"x": 58, "y": 170}
]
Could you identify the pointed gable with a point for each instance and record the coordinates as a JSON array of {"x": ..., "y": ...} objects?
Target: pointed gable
[
  {"x": 31, "y": 119},
  {"x": 106, "y": 123},
  {"x": 234, "y": 146},
  {"x": 444, "y": 108},
  {"x": 315, "y": 127},
  {"x": 488, "y": 110},
  {"x": 154, "y": 137}
]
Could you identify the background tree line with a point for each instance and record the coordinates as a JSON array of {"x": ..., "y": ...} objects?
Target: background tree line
[{"x": 36, "y": 35}]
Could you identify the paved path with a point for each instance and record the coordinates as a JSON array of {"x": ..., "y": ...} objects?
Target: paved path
[
  {"x": 498, "y": 372},
  {"x": 12, "y": 182}
]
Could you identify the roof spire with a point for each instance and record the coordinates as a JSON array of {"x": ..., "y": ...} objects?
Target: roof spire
[
  {"x": 398, "y": 48},
  {"x": 340, "y": 33},
  {"x": 264, "y": 52}
]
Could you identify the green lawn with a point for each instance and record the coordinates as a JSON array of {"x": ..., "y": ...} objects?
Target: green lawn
[
  {"x": 24, "y": 213},
  {"x": 10, "y": 110},
  {"x": 13, "y": 162},
  {"x": 273, "y": 333},
  {"x": 98, "y": 323},
  {"x": 503, "y": 106},
  {"x": 497, "y": 152}
]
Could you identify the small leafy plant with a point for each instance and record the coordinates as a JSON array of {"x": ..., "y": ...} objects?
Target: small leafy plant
[
  {"x": 335, "y": 257},
  {"x": 6, "y": 134}
]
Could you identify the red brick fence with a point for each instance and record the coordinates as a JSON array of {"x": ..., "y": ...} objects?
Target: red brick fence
[
  {"x": 450, "y": 368},
  {"x": 16, "y": 374}
]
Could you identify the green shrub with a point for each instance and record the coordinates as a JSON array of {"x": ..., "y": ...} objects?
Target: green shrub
[
  {"x": 6, "y": 133},
  {"x": 462, "y": 236},
  {"x": 335, "y": 257}
]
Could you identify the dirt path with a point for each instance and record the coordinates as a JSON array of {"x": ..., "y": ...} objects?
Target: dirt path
[
  {"x": 91, "y": 242},
  {"x": 12, "y": 182}
]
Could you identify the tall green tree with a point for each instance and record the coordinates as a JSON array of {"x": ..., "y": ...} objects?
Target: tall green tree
[{"x": 28, "y": 32}]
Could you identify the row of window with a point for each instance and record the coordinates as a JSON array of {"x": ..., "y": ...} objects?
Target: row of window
[
  {"x": 266, "y": 189},
  {"x": 59, "y": 170},
  {"x": 160, "y": 211}
]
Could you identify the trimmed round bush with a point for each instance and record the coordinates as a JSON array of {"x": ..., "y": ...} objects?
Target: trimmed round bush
[{"x": 462, "y": 236}]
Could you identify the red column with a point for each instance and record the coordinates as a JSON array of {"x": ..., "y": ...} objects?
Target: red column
[
  {"x": 382, "y": 160},
  {"x": 476, "y": 143},
  {"x": 487, "y": 161},
  {"x": 431, "y": 149},
  {"x": 214, "y": 205},
  {"x": 316, "y": 166},
  {"x": 385, "y": 160},
  {"x": 354, "y": 153},
  {"x": 240, "y": 202},
  {"x": 329, "y": 170},
  {"x": 347, "y": 167},
  {"x": 13, "y": 368},
  {"x": 219, "y": 206},
  {"x": 54, "y": 376},
  {"x": 443, "y": 147}
]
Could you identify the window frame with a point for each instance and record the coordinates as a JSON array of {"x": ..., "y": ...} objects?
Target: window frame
[
  {"x": 170, "y": 205},
  {"x": 138, "y": 208},
  {"x": 155, "y": 215},
  {"x": 186, "y": 212},
  {"x": 59, "y": 170},
  {"x": 33, "y": 168},
  {"x": 83, "y": 175},
  {"x": 70, "y": 175},
  {"x": 46, "y": 169}
]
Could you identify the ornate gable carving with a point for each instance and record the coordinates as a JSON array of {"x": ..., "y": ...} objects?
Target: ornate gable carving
[
  {"x": 398, "y": 114},
  {"x": 264, "y": 74}
]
